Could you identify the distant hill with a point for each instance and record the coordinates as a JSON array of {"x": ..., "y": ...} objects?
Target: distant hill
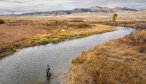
[{"x": 97, "y": 9}]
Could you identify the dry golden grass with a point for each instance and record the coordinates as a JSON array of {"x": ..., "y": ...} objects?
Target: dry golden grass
[
  {"x": 69, "y": 33},
  {"x": 16, "y": 34},
  {"x": 116, "y": 62},
  {"x": 133, "y": 24}
]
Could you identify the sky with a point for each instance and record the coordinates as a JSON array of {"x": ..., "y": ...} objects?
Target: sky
[{"x": 25, "y": 6}]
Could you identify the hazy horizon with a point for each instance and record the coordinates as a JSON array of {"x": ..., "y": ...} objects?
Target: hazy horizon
[{"x": 27, "y": 6}]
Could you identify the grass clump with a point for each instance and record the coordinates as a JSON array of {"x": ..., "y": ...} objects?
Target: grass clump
[{"x": 137, "y": 39}]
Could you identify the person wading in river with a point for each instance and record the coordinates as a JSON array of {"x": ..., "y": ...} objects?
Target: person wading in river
[{"x": 48, "y": 71}]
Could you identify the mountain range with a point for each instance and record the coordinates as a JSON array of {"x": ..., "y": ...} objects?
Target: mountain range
[{"x": 97, "y": 9}]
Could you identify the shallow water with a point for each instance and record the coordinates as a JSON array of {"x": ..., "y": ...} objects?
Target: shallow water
[{"x": 27, "y": 66}]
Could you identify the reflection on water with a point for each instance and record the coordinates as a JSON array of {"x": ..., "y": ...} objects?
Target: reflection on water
[{"x": 28, "y": 65}]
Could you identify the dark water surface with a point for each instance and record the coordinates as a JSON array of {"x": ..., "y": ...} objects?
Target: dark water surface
[{"x": 27, "y": 66}]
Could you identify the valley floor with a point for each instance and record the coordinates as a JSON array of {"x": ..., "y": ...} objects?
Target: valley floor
[{"x": 121, "y": 61}]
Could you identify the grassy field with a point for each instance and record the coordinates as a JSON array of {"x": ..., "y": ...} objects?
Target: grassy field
[
  {"x": 122, "y": 16},
  {"x": 16, "y": 34},
  {"x": 132, "y": 24},
  {"x": 121, "y": 61}
]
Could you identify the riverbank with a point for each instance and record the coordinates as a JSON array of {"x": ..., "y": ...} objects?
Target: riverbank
[
  {"x": 132, "y": 24},
  {"x": 30, "y": 62},
  {"x": 46, "y": 32},
  {"x": 119, "y": 61}
]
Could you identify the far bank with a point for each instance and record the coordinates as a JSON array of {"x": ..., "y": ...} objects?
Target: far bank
[{"x": 18, "y": 34}]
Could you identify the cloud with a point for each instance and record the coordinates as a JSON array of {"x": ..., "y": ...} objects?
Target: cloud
[{"x": 23, "y": 6}]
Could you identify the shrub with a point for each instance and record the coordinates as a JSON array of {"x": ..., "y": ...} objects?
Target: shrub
[{"x": 2, "y": 21}]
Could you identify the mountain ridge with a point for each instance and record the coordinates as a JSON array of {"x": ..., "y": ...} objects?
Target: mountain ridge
[{"x": 97, "y": 9}]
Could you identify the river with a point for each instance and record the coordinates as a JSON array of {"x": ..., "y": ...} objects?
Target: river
[{"x": 27, "y": 66}]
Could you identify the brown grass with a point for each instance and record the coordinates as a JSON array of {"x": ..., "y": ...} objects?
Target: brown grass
[
  {"x": 12, "y": 34},
  {"x": 132, "y": 24},
  {"x": 121, "y": 61},
  {"x": 16, "y": 34},
  {"x": 69, "y": 33}
]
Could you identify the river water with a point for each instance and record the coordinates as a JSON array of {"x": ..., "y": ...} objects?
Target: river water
[{"x": 27, "y": 66}]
